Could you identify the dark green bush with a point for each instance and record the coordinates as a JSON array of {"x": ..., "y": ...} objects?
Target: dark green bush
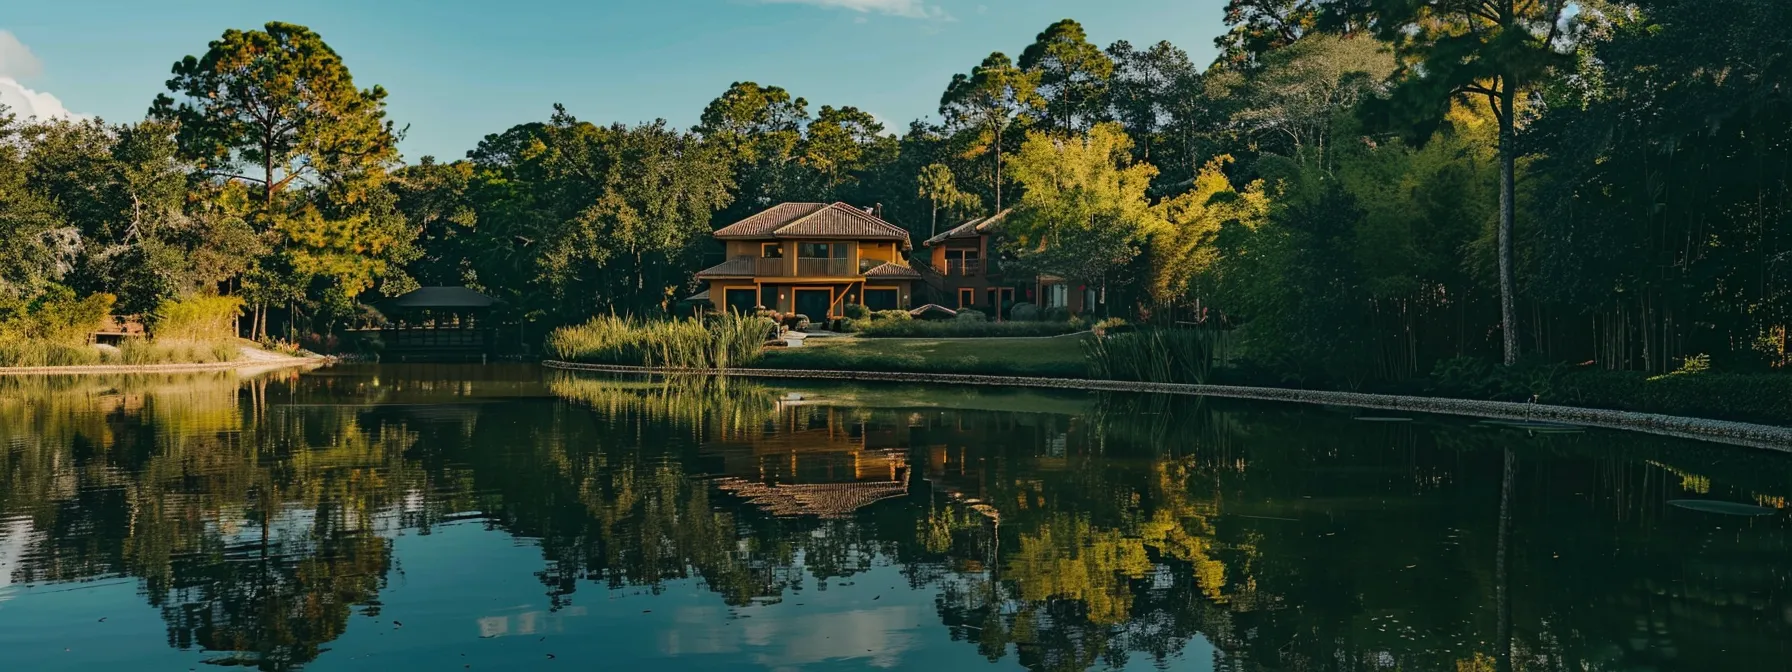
[
  {"x": 969, "y": 315},
  {"x": 963, "y": 329},
  {"x": 854, "y": 311},
  {"x": 1759, "y": 397},
  {"x": 892, "y": 315},
  {"x": 1057, "y": 314},
  {"x": 1024, "y": 312}
]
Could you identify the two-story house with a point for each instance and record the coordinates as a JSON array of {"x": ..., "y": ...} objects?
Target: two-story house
[
  {"x": 966, "y": 272},
  {"x": 812, "y": 259}
]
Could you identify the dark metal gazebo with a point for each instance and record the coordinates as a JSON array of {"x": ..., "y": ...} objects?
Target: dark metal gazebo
[{"x": 439, "y": 323}]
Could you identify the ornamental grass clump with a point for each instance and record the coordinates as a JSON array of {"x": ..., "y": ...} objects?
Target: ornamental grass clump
[
  {"x": 1152, "y": 355},
  {"x": 693, "y": 343}
]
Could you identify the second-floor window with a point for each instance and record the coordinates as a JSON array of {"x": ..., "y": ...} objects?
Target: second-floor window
[
  {"x": 771, "y": 250},
  {"x": 822, "y": 250}
]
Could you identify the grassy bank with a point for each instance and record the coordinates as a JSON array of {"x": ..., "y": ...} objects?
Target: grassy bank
[
  {"x": 1060, "y": 357},
  {"x": 37, "y": 353},
  {"x": 718, "y": 342}
]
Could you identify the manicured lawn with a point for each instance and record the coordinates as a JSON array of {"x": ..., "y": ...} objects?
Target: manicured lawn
[{"x": 1059, "y": 357}]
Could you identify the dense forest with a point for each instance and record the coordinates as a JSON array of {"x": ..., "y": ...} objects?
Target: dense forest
[{"x": 1359, "y": 190}]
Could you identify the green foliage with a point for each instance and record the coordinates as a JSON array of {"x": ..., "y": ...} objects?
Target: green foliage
[
  {"x": 19, "y": 351},
  {"x": 58, "y": 316},
  {"x": 986, "y": 104},
  {"x": 1024, "y": 312},
  {"x": 969, "y": 315},
  {"x": 201, "y": 317},
  {"x": 901, "y": 315},
  {"x": 854, "y": 311},
  {"x": 719, "y": 342},
  {"x": 136, "y": 352},
  {"x": 1085, "y": 211},
  {"x": 1754, "y": 397},
  {"x": 1073, "y": 75},
  {"x": 960, "y": 328},
  {"x": 1153, "y": 355}
]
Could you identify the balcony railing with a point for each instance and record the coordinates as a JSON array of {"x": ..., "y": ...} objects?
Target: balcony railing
[
  {"x": 809, "y": 267},
  {"x": 771, "y": 268},
  {"x": 964, "y": 267}
]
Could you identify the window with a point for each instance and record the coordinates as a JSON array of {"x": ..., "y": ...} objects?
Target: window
[
  {"x": 1057, "y": 296},
  {"x": 739, "y": 300},
  {"x": 967, "y": 297},
  {"x": 814, "y": 250},
  {"x": 768, "y": 297},
  {"x": 771, "y": 250}
]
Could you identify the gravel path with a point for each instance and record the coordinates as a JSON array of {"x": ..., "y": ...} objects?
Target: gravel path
[{"x": 1770, "y": 437}]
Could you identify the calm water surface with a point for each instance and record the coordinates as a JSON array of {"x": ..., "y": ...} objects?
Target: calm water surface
[{"x": 447, "y": 518}]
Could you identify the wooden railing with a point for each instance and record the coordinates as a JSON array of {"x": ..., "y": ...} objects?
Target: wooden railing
[
  {"x": 810, "y": 267},
  {"x": 771, "y": 268},
  {"x": 964, "y": 267}
]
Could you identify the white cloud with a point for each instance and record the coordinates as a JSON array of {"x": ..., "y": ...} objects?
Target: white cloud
[
  {"x": 16, "y": 60},
  {"x": 26, "y": 103},
  {"x": 18, "y": 63},
  {"x": 909, "y": 9}
]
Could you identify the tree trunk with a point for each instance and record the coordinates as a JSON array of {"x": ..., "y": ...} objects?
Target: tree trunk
[
  {"x": 1502, "y": 569},
  {"x": 1508, "y": 213},
  {"x": 998, "y": 155}
]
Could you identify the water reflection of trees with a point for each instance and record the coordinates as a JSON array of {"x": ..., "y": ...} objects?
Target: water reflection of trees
[
  {"x": 257, "y": 516},
  {"x": 254, "y": 529}
]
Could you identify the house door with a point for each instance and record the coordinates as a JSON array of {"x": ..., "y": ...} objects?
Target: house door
[
  {"x": 814, "y": 303},
  {"x": 999, "y": 300},
  {"x": 881, "y": 299}
]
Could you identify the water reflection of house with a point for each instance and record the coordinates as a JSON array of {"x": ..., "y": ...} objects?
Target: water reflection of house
[{"x": 810, "y": 459}]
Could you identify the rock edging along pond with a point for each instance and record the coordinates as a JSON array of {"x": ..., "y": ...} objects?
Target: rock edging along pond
[
  {"x": 1769, "y": 437},
  {"x": 269, "y": 364}
]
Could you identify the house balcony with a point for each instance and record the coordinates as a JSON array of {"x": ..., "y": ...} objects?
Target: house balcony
[
  {"x": 964, "y": 267},
  {"x": 825, "y": 268}
]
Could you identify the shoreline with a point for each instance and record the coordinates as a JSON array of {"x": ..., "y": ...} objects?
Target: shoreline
[
  {"x": 95, "y": 369},
  {"x": 1768, "y": 437}
]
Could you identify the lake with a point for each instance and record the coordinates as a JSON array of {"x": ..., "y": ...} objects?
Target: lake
[{"x": 364, "y": 517}]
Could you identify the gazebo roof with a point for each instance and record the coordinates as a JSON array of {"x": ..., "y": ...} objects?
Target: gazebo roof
[{"x": 440, "y": 297}]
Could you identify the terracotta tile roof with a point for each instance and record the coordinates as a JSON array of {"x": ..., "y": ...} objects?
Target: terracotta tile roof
[
  {"x": 815, "y": 220},
  {"x": 764, "y": 222},
  {"x": 896, "y": 271},
  {"x": 736, "y": 267},
  {"x": 971, "y": 229}
]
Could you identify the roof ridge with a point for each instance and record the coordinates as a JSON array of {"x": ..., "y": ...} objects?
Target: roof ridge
[
  {"x": 874, "y": 219},
  {"x": 824, "y": 208}
]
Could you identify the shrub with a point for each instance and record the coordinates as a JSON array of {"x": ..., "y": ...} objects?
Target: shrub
[
  {"x": 969, "y": 315},
  {"x": 796, "y": 321},
  {"x": 200, "y": 317},
  {"x": 1057, "y": 314},
  {"x": 41, "y": 352},
  {"x": 892, "y": 315},
  {"x": 1155, "y": 355},
  {"x": 58, "y": 316},
  {"x": 1110, "y": 325},
  {"x": 963, "y": 329},
  {"x": 1765, "y": 397},
  {"x": 854, "y": 311},
  {"x": 1024, "y": 312},
  {"x": 720, "y": 342},
  {"x": 139, "y": 352}
]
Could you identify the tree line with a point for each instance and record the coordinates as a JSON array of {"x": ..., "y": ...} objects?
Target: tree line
[{"x": 1359, "y": 190}]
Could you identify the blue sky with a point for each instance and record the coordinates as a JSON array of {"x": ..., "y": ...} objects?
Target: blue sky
[{"x": 458, "y": 70}]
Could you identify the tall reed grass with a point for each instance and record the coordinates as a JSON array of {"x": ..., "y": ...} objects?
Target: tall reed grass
[
  {"x": 15, "y": 351},
  {"x": 1153, "y": 355},
  {"x": 693, "y": 343}
]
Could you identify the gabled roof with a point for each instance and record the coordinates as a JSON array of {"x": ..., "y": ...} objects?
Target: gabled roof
[
  {"x": 815, "y": 220},
  {"x": 732, "y": 268},
  {"x": 971, "y": 229},
  {"x": 896, "y": 271}
]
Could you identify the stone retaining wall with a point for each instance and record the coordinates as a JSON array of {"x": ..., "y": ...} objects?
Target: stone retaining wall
[{"x": 1770, "y": 437}]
